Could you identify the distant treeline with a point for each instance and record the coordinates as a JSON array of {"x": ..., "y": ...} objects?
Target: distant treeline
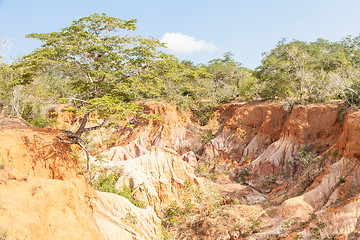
[{"x": 91, "y": 68}]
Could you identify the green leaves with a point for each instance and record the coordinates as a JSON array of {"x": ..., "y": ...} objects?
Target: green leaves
[
  {"x": 109, "y": 67},
  {"x": 305, "y": 71}
]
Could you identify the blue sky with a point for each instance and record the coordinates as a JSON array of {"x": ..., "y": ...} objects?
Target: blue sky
[{"x": 196, "y": 30}]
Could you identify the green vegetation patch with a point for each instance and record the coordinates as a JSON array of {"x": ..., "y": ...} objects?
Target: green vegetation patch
[{"x": 107, "y": 182}]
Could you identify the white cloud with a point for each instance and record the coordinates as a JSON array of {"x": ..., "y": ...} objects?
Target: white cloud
[{"x": 180, "y": 43}]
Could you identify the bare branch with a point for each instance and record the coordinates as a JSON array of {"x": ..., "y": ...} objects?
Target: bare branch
[
  {"x": 353, "y": 91},
  {"x": 87, "y": 161},
  {"x": 55, "y": 149},
  {"x": 82, "y": 69},
  {"x": 77, "y": 99}
]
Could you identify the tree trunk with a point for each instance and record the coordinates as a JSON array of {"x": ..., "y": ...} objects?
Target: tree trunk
[{"x": 81, "y": 129}]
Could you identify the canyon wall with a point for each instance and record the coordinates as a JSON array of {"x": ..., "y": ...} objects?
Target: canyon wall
[{"x": 297, "y": 167}]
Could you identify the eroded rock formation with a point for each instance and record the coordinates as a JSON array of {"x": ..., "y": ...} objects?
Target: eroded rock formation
[
  {"x": 281, "y": 173},
  {"x": 43, "y": 194},
  {"x": 157, "y": 178}
]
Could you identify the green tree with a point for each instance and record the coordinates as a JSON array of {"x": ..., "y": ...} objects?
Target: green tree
[
  {"x": 304, "y": 71},
  {"x": 283, "y": 70},
  {"x": 227, "y": 79},
  {"x": 30, "y": 100},
  {"x": 6, "y": 77},
  {"x": 351, "y": 82},
  {"x": 109, "y": 68},
  {"x": 7, "y": 90}
]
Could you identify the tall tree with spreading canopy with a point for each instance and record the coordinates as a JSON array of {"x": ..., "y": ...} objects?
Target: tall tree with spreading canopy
[
  {"x": 104, "y": 63},
  {"x": 106, "y": 67}
]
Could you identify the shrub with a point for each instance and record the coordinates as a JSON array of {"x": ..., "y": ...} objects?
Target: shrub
[
  {"x": 271, "y": 179},
  {"x": 204, "y": 112},
  {"x": 131, "y": 218},
  {"x": 352, "y": 95},
  {"x": 342, "y": 179},
  {"x": 287, "y": 106},
  {"x": 106, "y": 183},
  {"x": 305, "y": 156},
  {"x": 32, "y": 114},
  {"x": 110, "y": 140},
  {"x": 206, "y": 172},
  {"x": 171, "y": 214},
  {"x": 242, "y": 176},
  {"x": 127, "y": 193},
  {"x": 206, "y": 136}
]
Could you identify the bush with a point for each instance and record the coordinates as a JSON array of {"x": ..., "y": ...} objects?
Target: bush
[
  {"x": 204, "y": 112},
  {"x": 342, "y": 179},
  {"x": 106, "y": 183},
  {"x": 305, "y": 156},
  {"x": 242, "y": 176},
  {"x": 206, "y": 172},
  {"x": 206, "y": 136},
  {"x": 352, "y": 95}
]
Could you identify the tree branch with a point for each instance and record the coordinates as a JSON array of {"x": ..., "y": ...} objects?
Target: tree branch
[
  {"x": 82, "y": 69},
  {"x": 103, "y": 124},
  {"x": 87, "y": 161},
  {"x": 82, "y": 125},
  {"x": 77, "y": 99}
]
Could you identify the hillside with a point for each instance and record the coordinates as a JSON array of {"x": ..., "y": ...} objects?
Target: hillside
[{"x": 257, "y": 170}]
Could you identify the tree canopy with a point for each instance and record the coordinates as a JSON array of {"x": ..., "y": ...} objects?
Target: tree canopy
[
  {"x": 312, "y": 71},
  {"x": 99, "y": 65},
  {"x": 105, "y": 66}
]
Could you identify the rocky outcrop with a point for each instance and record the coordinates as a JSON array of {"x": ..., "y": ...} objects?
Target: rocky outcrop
[
  {"x": 39, "y": 208},
  {"x": 314, "y": 127},
  {"x": 37, "y": 152},
  {"x": 241, "y": 126},
  {"x": 329, "y": 205},
  {"x": 174, "y": 130},
  {"x": 43, "y": 194},
  {"x": 157, "y": 178},
  {"x": 298, "y": 168},
  {"x": 117, "y": 218},
  {"x": 119, "y": 153},
  {"x": 190, "y": 158},
  {"x": 237, "y": 193},
  {"x": 348, "y": 142},
  {"x": 342, "y": 221}
]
